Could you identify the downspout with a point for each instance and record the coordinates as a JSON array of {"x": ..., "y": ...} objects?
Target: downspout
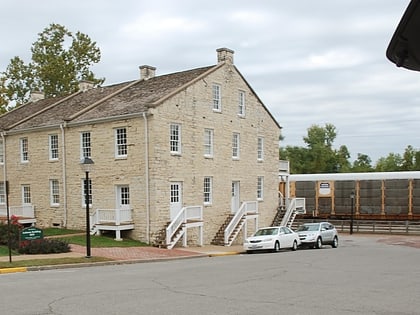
[
  {"x": 4, "y": 168},
  {"x": 64, "y": 174},
  {"x": 146, "y": 140}
]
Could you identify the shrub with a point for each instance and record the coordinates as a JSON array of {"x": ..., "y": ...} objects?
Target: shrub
[
  {"x": 14, "y": 233},
  {"x": 44, "y": 246}
]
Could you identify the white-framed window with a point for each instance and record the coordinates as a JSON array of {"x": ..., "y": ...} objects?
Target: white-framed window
[
  {"x": 26, "y": 194},
  {"x": 125, "y": 195},
  {"x": 235, "y": 145},
  {"x": 208, "y": 142},
  {"x": 207, "y": 190},
  {"x": 86, "y": 187},
  {"x": 2, "y": 193},
  {"x": 175, "y": 138},
  {"x": 260, "y": 149},
  {"x": 1, "y": 152},
  {"x": 120, "y": 142},
  {"x": 241, "y": 103},
  {"x": 53, "y": 146},
  {"x": 54, "y": 192},
  {"x": 175, "y": 193},
  {"x": 85, "y": 145},
  {"x": 217, "y": 97},
  {"x": 24, "y": 154},
  {"x": 260, "y": 187}
]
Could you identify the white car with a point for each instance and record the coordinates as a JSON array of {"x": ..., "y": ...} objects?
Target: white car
[
  {"x": 272, "y": 238},
  {"x": 318, "y": 234}
]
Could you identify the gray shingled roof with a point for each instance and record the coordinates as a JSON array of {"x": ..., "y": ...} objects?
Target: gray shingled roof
[{"x": 98, "y": 103}]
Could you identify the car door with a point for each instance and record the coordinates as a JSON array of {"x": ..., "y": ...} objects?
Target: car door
[
  {"x": 326, "y": 232},
  {"x": 286, "y": 238}
]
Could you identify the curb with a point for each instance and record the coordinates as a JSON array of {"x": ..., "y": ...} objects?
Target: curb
[
  {"x": 223, "y": 254},
  {"x": 112, "y": 262},
  {"x": 96, "y": 264},
  {"x": 13, "y": 270}
]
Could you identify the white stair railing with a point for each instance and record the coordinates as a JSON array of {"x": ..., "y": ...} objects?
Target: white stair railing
[
  {"x": 246, "y": 208},
  {"x": 296, "y": 206},
  {"x": 186, "y": 213}
]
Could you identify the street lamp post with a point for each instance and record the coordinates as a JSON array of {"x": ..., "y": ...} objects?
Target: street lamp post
[
  {"x": 87, "y": 164},
  {"x": 352, "y": 211}
]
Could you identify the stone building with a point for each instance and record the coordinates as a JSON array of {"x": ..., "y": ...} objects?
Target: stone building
[{"x": 173, "y": 153}]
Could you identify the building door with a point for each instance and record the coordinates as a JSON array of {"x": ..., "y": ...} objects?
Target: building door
[
  {"x": 235, "y": 197},
  {"x": 123, "y": 197},
  {"x": 176, "y": 198},
  {"x": 123, "y": 203}
]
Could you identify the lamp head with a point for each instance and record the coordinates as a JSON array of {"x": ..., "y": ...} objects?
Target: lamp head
[{"x": 86, "y": 164}]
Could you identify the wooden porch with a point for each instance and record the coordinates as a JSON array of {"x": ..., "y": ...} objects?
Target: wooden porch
[{"x": 111, "y": 220}]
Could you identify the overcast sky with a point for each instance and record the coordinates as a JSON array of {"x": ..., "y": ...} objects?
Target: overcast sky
[{"x": 310, "y": 62}]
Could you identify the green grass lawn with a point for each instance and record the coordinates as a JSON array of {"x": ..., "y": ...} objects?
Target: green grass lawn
[
  {"x": 102, "y": 241},
  {"x": 79, "y": 238},
  {"x": 51, "y": 261},
  {"x": 59, "y": 231}
]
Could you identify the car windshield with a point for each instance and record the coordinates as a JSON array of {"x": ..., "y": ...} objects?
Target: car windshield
[
  {"x": 308, "y": 227},
  {"x": 272, "y": 231}
]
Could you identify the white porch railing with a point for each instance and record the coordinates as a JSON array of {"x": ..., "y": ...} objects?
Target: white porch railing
[
  {"x": 247, "y": 207},
  {"x": 114, "y": 216},
  {"x": 296, "y": 206},
  {"x": 186, "y": 213},
  {"x": 25, "y": 211}
]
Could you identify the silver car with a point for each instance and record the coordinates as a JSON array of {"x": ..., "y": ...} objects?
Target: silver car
[
  {"x": 272, "y": 238},
  {"x": 317, "y": 234}
]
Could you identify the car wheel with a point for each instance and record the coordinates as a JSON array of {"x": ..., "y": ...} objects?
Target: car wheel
[
  {"x": 318, "y": 243},
  {"x": 295, "y": 245},
  {"x": 335, "y": 242},
  {"x": 277, "y": 247}
]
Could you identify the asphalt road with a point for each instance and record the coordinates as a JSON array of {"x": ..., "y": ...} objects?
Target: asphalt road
[{"x": 361, "y": 276}]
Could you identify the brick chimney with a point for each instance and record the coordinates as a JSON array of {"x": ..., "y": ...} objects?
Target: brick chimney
[
  {"x": 224, "y": 55},
  {"x": 147, "y": 72},
  {"x": 36, "y": 96},
  {"x": 85, "y": 85}
]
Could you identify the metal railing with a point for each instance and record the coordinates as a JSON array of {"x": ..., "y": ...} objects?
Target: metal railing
[{"x": 371, "y": 226}]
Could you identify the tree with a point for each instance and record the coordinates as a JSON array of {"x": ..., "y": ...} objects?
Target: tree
[
  {"x": 410, "y": 160},
  {"x": 362, "y": 164},
  {"x": 60, "y": 60},
  {"x": 319, "y": 155},
  {"x": 322, "y": 158}
]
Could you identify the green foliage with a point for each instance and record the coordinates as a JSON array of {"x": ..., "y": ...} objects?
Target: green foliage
[
  {"x": 362, "y": 164},
  {"x": 14, "y": 233},
  {"x": 44, "y": 246},
  {"x": 319, "y": 156},
  {"x": 60, "y": 60},
  {"x": 40, "y": 246}
]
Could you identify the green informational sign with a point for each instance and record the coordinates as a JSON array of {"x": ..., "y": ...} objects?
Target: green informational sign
[{"x": 31, "y": 233}]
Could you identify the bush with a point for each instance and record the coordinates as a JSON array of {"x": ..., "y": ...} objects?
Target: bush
[
  {"x": 44, "y": 246},
  {"x": 14, "y": 233}
]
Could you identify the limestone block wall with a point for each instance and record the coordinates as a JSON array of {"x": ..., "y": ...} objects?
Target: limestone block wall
[{"x": 192, "y": 109}]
